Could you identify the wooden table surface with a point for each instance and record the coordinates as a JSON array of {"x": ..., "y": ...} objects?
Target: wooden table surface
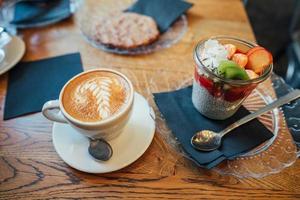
[{"x": 31, "y": 169}]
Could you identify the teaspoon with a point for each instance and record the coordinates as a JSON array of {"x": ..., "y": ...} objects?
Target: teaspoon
[
  {"x": 100, "y": 149},
  {"x": 1, "y": 30},
  {"x": 2, "y": 55},
  {"x": 207, "y": 140}
]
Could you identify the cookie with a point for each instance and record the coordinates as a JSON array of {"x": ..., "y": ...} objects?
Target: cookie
[{"x": 125, "y": 30}]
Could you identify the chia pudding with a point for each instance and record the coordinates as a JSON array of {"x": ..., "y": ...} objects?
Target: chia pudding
[{"x": 227, "y": 70}]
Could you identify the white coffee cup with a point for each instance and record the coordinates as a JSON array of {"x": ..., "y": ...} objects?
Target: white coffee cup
[{"x": 106, "y": 129}]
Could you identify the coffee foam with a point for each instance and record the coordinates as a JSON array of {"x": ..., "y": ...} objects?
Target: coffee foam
[{"x": 95, "y": 96}]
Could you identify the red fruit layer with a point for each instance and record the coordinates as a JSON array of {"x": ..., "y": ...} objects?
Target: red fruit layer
[
  {"x": 208, "y": 84},
  {"x": 238, "y": 93},
  {"x": 231, "y": 95}
]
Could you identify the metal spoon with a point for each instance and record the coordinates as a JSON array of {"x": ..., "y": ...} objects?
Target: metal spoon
[
  {"x": 100, "y": 150},
  {"x": 5, "y": 38},
  {"x": 2, "y": 55},
  {"x": 207, "y": 140},
  {"x": 1, "y": 30}
]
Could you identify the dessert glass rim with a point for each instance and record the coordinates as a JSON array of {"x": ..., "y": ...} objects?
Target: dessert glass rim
[
  {"x": 112, "y": 117},
  {"x": 259, "y": 79}
]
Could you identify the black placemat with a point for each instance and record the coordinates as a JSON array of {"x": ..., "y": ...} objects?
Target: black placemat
[
  {"x": 31, "y": 84},
  {"x": 184, "y": 120},
  {"x": 30, "y": 12},
  {"x": 164, "y": 12}
]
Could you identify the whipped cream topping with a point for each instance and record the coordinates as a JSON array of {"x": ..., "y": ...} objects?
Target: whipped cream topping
[{"x": 212, "y": 53}]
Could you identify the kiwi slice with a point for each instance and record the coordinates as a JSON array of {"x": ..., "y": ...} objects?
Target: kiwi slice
[
  {"x": 230, "y": 70},
  {"x": 237, "y": 74},
  {"x": 224, "y": 64}
]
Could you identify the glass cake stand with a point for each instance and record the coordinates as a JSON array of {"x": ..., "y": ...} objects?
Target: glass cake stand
[
  {"x": 88, "y": 16},
  {"x": 270, "y": 157}
]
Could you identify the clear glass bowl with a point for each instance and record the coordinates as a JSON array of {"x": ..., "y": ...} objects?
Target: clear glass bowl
[{"x": 270, "y": 157}]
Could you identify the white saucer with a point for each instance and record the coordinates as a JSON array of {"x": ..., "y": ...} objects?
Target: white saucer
[
  {"x": 14, "y": 51},
  {"x": 72, "y": 147}
]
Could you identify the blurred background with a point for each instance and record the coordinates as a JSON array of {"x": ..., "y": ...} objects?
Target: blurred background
[{"x": 276, "y": 25}]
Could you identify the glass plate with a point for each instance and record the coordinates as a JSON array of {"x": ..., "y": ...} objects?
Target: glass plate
[
  {"x": 8, "y": 15},
  {"x": 88, "y": 15},
  {"x": 270, "y": 157},
  {"x": 291, "y": 110}
]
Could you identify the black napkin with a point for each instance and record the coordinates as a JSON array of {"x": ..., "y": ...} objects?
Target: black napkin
[
  {"x": 164, "y": 12},
  {"x": 184, "y": 120},
  {"x": 38, "y": 11},
  {"x": 292, "y": 110},
  {"x": 31, "y": 84}
]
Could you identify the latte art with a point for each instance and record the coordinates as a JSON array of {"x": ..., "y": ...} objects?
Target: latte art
[
  {"x": 100, "y": 89},
  {"x": 95, "y": 96}
]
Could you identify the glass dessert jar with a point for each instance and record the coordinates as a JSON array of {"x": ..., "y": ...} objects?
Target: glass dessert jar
[{"x": 215, "y": 96}]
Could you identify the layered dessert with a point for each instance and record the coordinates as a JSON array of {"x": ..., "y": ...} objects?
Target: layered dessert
[{"x": 226, "y": 72}]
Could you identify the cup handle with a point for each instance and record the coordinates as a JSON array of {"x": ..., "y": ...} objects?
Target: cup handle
[{"x": 50, "y": 111}]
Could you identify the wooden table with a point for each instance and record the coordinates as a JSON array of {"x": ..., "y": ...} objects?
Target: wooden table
[{"x": 31, "y": 169}]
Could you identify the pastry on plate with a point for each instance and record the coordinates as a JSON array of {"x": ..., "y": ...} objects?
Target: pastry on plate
[{"x": 125, "y": 30}]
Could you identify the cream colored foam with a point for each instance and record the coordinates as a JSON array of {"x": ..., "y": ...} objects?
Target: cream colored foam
[{"x": 95, "y": 96}]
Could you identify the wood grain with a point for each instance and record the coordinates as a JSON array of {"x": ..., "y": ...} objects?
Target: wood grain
[{"x": 31, "y": 169}]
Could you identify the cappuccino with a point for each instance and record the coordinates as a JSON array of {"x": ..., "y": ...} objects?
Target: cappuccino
[{"x": 95, "y": 96}]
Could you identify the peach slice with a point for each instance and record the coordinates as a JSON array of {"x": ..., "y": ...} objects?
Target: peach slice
[
  {"x": 250, "y": 51},
  {"x": 258, "y": 60},
  {"x": 241, "y": 50},
  {"x": 251, "y": 74},
  {"x": 240, "y": 59},
  {"x": 231, "y": 50}
]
